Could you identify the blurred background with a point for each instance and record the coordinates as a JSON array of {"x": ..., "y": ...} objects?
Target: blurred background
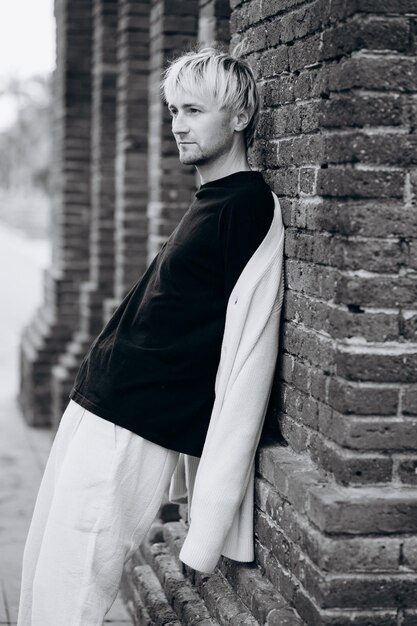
[{"x": 27, "y": 60}]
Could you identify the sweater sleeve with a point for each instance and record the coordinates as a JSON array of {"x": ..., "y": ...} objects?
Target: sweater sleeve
[
  {"x": 227, "y": 461},
  {"x": 243, "y": 223}
]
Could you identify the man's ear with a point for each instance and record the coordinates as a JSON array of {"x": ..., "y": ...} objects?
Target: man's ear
[{"x": 241, "y": 120}]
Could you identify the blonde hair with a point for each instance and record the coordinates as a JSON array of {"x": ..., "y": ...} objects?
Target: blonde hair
[{"x": 226, "y": 77}]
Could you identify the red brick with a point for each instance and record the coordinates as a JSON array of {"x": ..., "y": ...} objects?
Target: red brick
[
  {"x": 357, "y": 553},
  {"x": 374, "y": 72},
  {"x": 294, "y": 433},
  {"x": 377, "y": 290},
  {"x": 274, "y": 7},
  {"x": 277, "y": 466},
  {"x": 307, "y": 181},
  {"x": 409, "y": 549},
  {"x": 279, "y": 91},
  {"x": 311, "y": 280},
  {"x": 270, "y": 535},
  {"x": 409, "y": 401},
  {"x": 374, "y": 33},
  {"x": 245, "y": 17},
  {"x": 287, "y": 181},
  {"x": 362, "y": 110},
  {"x": 274, "y": 61},
  {"x": 389, "y": 365},
  {"x": 300, "y": 150},
  {"x": 308, "y": 345},
  {"x": 255, "y": 38},
  {"x": 361, "y": 510},
  {"x": 368, "y": 591},
  {"x": 339, "y": 617},
  {"x": 376, "y": 255},
  {"x": 358, "y": 183},
  {"x": 306, "y": 406},
  {"x": 406, "y": 468},
  {"x": 340, "y": 322},
  {"x": 384, "y": 149},
  {"x": 319, "y": 384},
  {"x": 311, "y": 83},
  {"x": 304, "y": 21},
  {"x": 283, "y": 582},
  {"x": 350, "y": 468},
  {"x": 410, "y": 618},
  {"x": 388, "y": 6},
  {"x": 372, "y": 433},
  {"x": 348, "y": 398},
  {"x": 360, "y": 217},
  {"x": 305, "y": 53}
]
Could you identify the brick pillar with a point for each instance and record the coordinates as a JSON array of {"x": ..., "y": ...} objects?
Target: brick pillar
[
  {"x": 336, "y": 510},
  {"x": 101, "y": 237},
  {"x": 173, "y": 27},
  {"x": 45, "y": 337},
  {"x": 214, "y": 22},
  {"x": 131, "y": 145}
]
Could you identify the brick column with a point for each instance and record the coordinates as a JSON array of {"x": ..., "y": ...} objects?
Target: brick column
[
  {"x": 336, "y": 510},
  {"x": 131, "y": 144},
  {"x": 101, "y": 236},
  {"x": 173, "y": 27},
  {"x": 214, "y": 22},
  {"x": 45, "y": 337}
]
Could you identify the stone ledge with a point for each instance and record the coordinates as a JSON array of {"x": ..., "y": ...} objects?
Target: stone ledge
[
  {"x": 243, "y": 584},
  {"x": 147, "y": 587},
  {"x": 188, "y": 606},
  {"x": 333, "y": 508},
  {"x": 212, "y": 599}
]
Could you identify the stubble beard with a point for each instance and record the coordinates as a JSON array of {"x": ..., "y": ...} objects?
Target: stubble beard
[{"x": 194, "y": 158}]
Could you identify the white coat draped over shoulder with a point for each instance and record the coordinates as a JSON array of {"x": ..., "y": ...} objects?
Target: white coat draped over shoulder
[{"x": 219, "y": 486}]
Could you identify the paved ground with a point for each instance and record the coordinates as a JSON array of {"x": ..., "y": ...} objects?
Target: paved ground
[{"x": 23, "y": 450}]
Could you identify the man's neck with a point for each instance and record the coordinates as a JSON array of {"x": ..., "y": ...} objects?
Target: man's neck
[{"x": 222, "y": 168}]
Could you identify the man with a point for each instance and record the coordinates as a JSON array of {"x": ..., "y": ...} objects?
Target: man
[{"x": 145, "y": 391}]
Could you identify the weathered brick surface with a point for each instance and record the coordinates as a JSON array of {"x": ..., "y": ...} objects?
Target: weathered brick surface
[
  {"x": 236, "y": 593},
  {"x": 153, "y": 597},
  {"x": 131, "y": 178},
  {"x": 173, "y": 26},
  {"x": 214, "y": 22},
  {"x": 188, "y": 606},
  {"x": 337, "y": 142},
  {"x": 41, "y": 346},
  {"x": 100, "y": 284}
]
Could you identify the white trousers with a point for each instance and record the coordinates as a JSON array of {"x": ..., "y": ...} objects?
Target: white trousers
[{"x": 101, "y": 490}]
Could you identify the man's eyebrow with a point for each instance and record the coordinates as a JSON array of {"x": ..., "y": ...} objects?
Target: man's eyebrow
[{"x": 187, "y": 105}]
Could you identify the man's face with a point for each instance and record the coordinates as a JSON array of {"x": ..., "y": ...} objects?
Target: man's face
[{"x": 203, "y": 132}]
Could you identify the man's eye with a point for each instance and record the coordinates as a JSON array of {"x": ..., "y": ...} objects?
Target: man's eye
[{"x": 193, "y": 110}]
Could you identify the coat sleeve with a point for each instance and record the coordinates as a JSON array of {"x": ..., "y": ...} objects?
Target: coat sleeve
[
  {"x": 242, "y": 399},
  {"x": 227, "y": 461}
]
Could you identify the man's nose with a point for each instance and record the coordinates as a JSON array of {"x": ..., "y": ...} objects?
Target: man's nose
[{"x": 179, "y": 125}]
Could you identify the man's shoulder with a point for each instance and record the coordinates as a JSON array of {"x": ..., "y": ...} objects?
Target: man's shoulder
[{"x": 251, "y": 197}]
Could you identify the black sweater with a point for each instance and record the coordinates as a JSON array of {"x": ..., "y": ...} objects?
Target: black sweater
[{"x": 152, "y": 369}]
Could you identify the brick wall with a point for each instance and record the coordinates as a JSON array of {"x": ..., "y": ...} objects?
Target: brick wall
[
  {"x": 98, "y": 234},
  {"x": 131, "y": 228},
  {"x": 173, "y": 28},
  {"x": 46, "y": 336},
  {"x": 337, "y": 141}
]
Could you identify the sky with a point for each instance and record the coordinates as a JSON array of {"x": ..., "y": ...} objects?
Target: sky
[{"x": 27, "y": 45}]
